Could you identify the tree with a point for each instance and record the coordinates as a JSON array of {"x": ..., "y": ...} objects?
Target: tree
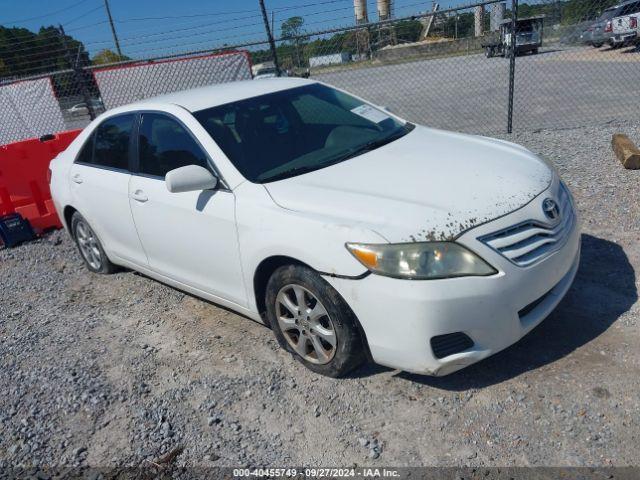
[
  {"x": 408, "y": 30},
  {"x": 292, "y": 29},
  {"x": 108, "y": 56},
  {"x": 23, "y": 52},
  {"x": 576, "y": 11},
  {"x": 4, "y": 70}
]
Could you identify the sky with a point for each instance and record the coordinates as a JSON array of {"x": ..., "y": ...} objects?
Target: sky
[{"x": 152, "y": 28}]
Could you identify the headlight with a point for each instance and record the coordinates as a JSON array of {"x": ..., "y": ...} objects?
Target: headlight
[{"x": 427, "y": 260}]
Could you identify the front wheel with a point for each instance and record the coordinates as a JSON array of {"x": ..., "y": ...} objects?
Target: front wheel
[{"x": 312, "y": 321}]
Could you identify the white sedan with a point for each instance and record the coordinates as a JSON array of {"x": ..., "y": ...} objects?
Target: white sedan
[{"x": 354, "y": 234}]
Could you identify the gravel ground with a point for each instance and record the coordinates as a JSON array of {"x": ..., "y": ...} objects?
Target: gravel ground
[{"x": 113, "y": 370}]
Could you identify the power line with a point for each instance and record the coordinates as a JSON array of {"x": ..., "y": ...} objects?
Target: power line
[
  {"x": 46, "y": 14},
  {"x": 173, "y": 17},
  {"x": 257, "y": 12},
  {"x": 84, "y": 14},
  {"x": 139, "y": 40}
]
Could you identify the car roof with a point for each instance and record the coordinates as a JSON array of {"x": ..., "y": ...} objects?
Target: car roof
[{"x": 213, "y": 95}]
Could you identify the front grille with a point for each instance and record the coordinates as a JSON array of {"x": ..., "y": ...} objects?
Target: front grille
[
  {"x": 445, "y": 345},
  {"x": 529, "y": 242}
]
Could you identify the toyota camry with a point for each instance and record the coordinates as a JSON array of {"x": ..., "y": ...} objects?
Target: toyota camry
[{"x": 353, "y": 234}]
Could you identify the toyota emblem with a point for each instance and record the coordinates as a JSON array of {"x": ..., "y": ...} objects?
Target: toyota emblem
[{"x": 551, "y": 209}]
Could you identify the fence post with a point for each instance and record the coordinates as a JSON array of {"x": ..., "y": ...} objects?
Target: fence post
[
  {"x": 512, "y": 64},
  {"x": 272, "y": 43},
  {"x": 78, "y": 73}
]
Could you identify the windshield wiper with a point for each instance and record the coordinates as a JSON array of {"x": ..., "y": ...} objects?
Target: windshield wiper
[
  {"x": 372, "y": 145},
  {"x": 291, "y": 173}
]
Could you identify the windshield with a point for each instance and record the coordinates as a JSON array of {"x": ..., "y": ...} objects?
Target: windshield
[
  {"x": 264, "y": 71},
  {"x": 295, "y": 131},
  {"x": 527, "y": 26},
  {"x": 607, "y": 15}
]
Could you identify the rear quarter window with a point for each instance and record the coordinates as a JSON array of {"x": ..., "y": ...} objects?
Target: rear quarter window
[
  {"x": 112, "y": 140},
  {"x": 86, "y": 151},
  {"x": 108, "y": 145}
]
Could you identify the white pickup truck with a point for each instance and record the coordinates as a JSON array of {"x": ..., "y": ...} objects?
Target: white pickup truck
[{"x": 624, "y": 26}]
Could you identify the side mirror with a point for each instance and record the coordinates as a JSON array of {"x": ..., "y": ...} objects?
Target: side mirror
[{"x": 191, "y": 178}]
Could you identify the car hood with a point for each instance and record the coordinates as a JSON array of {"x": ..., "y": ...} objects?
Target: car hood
[{"x": 428, "y": 185}]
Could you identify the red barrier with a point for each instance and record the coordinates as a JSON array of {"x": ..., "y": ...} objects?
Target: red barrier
[{"x": 24, "y": 187}]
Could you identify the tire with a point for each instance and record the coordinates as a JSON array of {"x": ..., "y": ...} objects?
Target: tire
[
  {"x": 488, "y": 52},
  {"x": 90, "y": 247},
  {"x": 307, "y": 338},
  {"x": 597, "y": 45},
  {"x": 534, "y": 51}
]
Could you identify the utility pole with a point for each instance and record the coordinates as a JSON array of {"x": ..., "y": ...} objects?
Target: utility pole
[
  {"x": 512, "y": 63},
  {"x": 78, "y": 73},
  {"x": 273, "y": 29},
  {"x": 113, "y": 29},
  {"x": 272, "y": 43}
]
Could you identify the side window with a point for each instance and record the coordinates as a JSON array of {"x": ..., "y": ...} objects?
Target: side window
[
  {"x": 112, "y": 142},
  {"x": 86, "y": 152},
  {"x": 165, "y": 145}
]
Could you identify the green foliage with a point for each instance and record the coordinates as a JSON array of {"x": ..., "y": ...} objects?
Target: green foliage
[
  {"x": 408, "y": 31},
  {"x": 107, "y": 56},
  {"x": 576, "y": 11},
  {"x": 461, "y": 27},
  {"x": 23, "y": 52},
  {"x": 292, "y": 27},
  {"x": 4, "y": 70}
]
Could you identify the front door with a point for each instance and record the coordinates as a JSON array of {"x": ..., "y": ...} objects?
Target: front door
[{"x": 190, "y": 237}]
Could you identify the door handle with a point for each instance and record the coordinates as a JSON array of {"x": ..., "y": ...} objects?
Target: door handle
[
  {"x": 77, "y": 178},
  {"x": 139, "y": 196}
]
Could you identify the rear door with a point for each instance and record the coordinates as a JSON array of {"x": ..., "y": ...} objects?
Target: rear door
[
  {"x": 189, "y": 237},
  {"x": 100, "y": 185}
]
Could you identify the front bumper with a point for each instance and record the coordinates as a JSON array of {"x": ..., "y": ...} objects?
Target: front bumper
[
  {"x": 400, "y": 317},
  {"x": 526, "y": 47}
]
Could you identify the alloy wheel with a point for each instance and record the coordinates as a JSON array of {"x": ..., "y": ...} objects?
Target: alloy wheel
[
  {"x": 306, "y": 324},
  {"x": 88, "y": 244}
]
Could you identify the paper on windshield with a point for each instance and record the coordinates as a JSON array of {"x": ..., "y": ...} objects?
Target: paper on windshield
[{"x": 370, "y": 113}]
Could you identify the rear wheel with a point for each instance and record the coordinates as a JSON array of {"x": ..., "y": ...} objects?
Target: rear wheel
[
  {"x": 90, "y": 247},
  {"x": 312, "y": 321}
]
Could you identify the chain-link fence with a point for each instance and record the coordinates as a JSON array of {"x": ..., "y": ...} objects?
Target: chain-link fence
[{"x": 485, "y": 67}]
